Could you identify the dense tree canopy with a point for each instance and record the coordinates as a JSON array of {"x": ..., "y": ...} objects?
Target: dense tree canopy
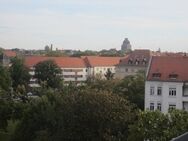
[
  {"x": 133, "y": 88},
  {"x": 19, "y": 73},
  {"x": 48, "y": 71},
  {"x": 5, "y": 80},
  {"x": 81, "y": 116},
  {"x": 156, "y": 126}
]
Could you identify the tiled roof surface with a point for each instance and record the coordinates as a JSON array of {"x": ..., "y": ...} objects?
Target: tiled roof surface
[
  {"x": 94, "y": 61},
  {"x": 164, "y": 66},
  {"x": 63, "y": 62},
  {"x": 9, "y": 53},
  {"x": 137, "y": 55}
]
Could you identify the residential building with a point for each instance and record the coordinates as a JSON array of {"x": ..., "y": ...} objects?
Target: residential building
[
  {"x": 98, "y": 66},
  {"x": 6, "y": 56},
  {"x": 136, "y": 61},
  {"x": 166, "y": 85},
  {"x": 73, "y": 68}
]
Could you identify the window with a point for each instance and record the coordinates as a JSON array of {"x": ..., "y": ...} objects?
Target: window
[
  {"x": 130, "y": 61},
  {"x": 152, "y": 90},
  {"x": 156, "y": 75},
  {"x": 159, "y": 106},
  {"x": 172, "y": 106},
  {"x": 173, "y": 76},
  {"x": 152, "y": 106},
  {"x": 172, "y": 91},
  {"x": 159, "y": 91}
]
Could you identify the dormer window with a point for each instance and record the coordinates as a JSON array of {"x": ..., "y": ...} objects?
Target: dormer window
[
  {"x": 173, "y": 76},
  {"x": 144, "y": 61},
  {"x": 130, "y": 61},
  {"x": 137, "y": 62},
  {"x": 156, "y": 75}
]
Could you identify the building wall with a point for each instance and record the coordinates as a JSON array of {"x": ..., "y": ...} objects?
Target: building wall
[
  {"x": 164, "y": 98},
  {"x": 68, "y": 74},
  {"x": 75, "y": 74},
  {"x": 123, "y": 71},
  {"x": 100, "y": 71}
]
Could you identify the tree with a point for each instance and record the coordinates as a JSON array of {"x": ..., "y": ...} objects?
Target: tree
[
  {"x": 19, "y": 73},
  {"x": 85, "y": 115},
  {"x": 5, "y": 79},
  {"x": 49, "y": 72},
  {"x": 5, "y": 109},
  {"x": 109, "y": 75},
  {"x": 156, "y": 126},
  {"x": 133, "y": 88}
]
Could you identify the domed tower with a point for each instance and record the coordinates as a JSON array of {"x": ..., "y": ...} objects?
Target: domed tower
[{"x": 126, "y": 46}]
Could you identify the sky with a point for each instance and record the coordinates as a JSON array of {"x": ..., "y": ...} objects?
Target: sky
[{"x": 94, "y": 24}]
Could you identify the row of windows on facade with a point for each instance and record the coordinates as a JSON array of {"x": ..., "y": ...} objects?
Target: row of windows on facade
[
  {"x": 130, "y": 70},
  {"x": 172, "y": 91},
  {"x": 73, "y": 70},
  {"x": 137, "y": 61},
  {"x": 72, "y": 76},
  {"x": 100, "y": 69},
  {"x": 159, "y": 106}
]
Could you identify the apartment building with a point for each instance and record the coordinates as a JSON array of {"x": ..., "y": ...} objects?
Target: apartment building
[
  {"x": 98, "y": 66},
  {"x": 73, "y": 68},
  {"x": 166, "y": 86},
  {"x": 136, "y": 61}
]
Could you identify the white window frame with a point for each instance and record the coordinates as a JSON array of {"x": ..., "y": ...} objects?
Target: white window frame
[
  {"x": 152, "y": 106},
  {"x": 172, "y": 92},
  {"x": 159, "y": 89},
  {"x": 171, "y": 106},
  {"x": 159, "y": 106},
  {"x": 152, "y": 90}
]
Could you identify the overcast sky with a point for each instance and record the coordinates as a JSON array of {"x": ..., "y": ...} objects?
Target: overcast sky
[{"x": 94, "y": 24}]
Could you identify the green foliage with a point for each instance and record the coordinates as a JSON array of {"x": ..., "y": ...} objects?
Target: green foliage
[
  {"x": 109, "y": 75},
  {"x": 47, "y": 71},
  {"x": 55, "y": 54},
  {"x": 19, "y": 73},
  {"x": 111, "y": 53},
  {"x": 5, "y": 80},
  {"x": 83, "y": 116},
  {"x": 133, "y": 88},
  {"x": 156, "y": 126},
  {"x": 5, "y": 109},
  {"x": 85, "y": 53}
]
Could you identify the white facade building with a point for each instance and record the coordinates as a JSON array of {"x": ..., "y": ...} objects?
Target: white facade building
[
  {"x": 166, "y": 86},
  {"x": 98, "y": 66},
  {"x": 73, "y": 68}
]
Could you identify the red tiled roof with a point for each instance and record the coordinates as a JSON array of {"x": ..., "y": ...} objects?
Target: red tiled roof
[
  {"x": 136, "y": 55},
  {"x": 168, "y": 65},
  {"x": 63, "y": 62},
  {"x": 9, "y": 53},
  {"x": 94, "y": 61}
]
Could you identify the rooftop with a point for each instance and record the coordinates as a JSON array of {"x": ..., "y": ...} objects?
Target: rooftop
[
  {"x": 9, "y": 53},
  {"x": 63, "y": 62},
  {"x": 168, "y": 68},
  {"x": 137, "y": 57},
  {"x": 95, "y": 61}
]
